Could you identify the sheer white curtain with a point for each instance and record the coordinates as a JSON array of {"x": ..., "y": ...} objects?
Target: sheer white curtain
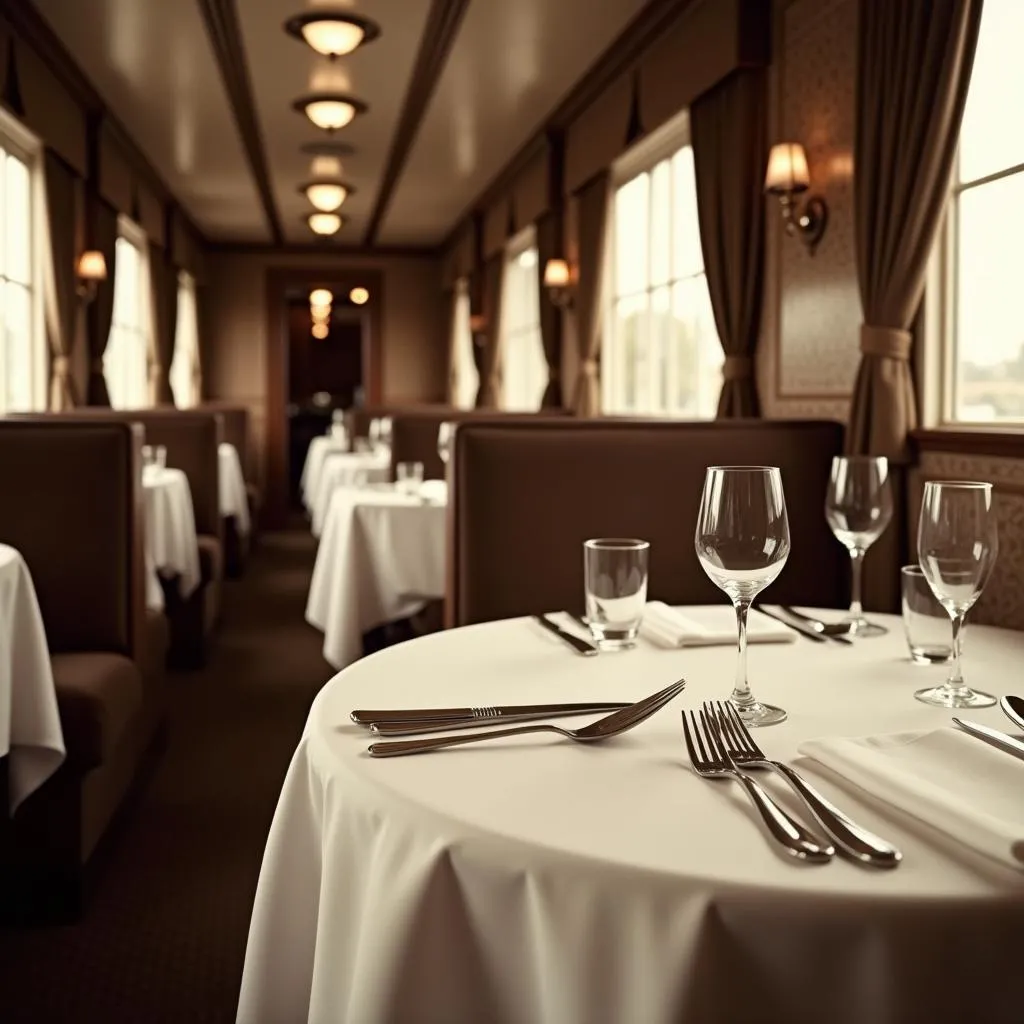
[
  {"x": 465, "y": 378},
  {"x": 125, "y": 362},
  {"x": 524, "y": 369},
  {"x": 184, "y": 375}
]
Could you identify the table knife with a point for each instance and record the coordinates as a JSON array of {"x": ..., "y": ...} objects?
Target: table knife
[
  {"x": 795, "y": 626},
  {"x": 412, "y": 728},
  {"x": 998, "y": 739},
  {"x": 404, "y": 716},
  {"x": 579, "y": 645}
]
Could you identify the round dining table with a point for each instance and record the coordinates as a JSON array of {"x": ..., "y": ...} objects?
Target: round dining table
[
  {"x": 172, "y": 550},
  {"x": 536, "y": 880}
]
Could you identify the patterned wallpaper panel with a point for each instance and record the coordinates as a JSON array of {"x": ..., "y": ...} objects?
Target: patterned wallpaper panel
[
  {"x": 1002, "y": 601},
  {"x": 809, "y": 349}
]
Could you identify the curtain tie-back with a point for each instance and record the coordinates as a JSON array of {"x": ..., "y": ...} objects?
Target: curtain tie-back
[
  {"x": 61, "y": 367},
  {"x": 887, "y": 342},
  {"x": 156, "y": 372},
  {"x": 589, "y": 367},
  {"x": 738, "y": 367}
]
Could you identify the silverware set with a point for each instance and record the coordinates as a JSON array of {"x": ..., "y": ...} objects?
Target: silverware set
[
  {"x": 577, "y": 643},
  {"x": 811, "y": 628},
  {"x": 1013, "y": 708}
]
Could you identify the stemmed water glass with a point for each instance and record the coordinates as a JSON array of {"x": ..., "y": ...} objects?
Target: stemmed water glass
[
  {"x": 957, "y": 544},
  {"x": 858, "y": 508},
  {"x": 445, "y": 433},
  {"x": 742, "y": 543}
]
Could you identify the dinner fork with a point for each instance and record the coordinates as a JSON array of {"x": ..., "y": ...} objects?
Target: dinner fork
[
  {"x": 858, "y": 843},
  {"x": 604, "y": 728},
  {"x": 711, "y": 760}
]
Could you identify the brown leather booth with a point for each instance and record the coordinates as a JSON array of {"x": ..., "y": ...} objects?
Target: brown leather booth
[
  {"x": 525, "y": 495},
  {"x": 76, "y": 517},
  {"x": 191, "y": 438}
]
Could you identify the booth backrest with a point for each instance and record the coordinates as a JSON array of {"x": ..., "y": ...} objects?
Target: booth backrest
[
  {"x": 525, "y": 495},
  {"x": 73, "y": 508},
  {"x": 236, "y": 432}
]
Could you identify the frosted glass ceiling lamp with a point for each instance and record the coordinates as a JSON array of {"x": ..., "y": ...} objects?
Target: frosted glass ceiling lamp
[
  {"x": 321, "y": 297},
  {"x": 320, "y": 314},
  {"x": 330, "y": 110},
  {"x": 787, "y": 177},
  {"x": 324, "y": 224},
  {"x": 359, "y": 296},
  {"x": 332, "y": 32},
  {"x": 320, "y": 331},
  {"x": 326, "y": 196}
]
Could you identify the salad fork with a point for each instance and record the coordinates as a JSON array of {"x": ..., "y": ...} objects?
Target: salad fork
[
  {"x": 855, "y": 841},
  {"x": 711, "y": 760}
]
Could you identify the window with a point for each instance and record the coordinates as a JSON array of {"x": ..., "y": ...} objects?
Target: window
[
  {"x": 985, "y": 371},
  {"x": 184, "y": 373},
  {"x": 661, "y": 351},
  {"x": 524, "y": 368},
  {"x": 125, "y": 362},
  {"x": 22, "y": 339},
  {"x": 465, "y": 379}
]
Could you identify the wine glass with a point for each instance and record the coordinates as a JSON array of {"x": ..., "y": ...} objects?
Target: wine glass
[
  {"x": 858, "y": 508},
  {"x": 742, "y": 543},
  {"x": 373, "y": 434},
  {"x": 445, "y": 433},
  {"x": 957, "y": 544}
]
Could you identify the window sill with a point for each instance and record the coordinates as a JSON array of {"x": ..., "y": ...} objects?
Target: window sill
[{"x": 1007, "y": 442}]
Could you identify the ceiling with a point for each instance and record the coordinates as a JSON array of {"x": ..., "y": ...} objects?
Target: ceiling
[{"x": 509, "y": 64}]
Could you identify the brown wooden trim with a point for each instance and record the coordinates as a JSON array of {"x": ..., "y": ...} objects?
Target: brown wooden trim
[
  {"x": 438, "y": 37},
  {"x": 966, "y": 441},
  {"x": 277, "y": 282},
  {"x": 325, "y": 251},
  {"x": 638, "y": 36},
  {"x": 35, "y": 31},
  {"x": 225, "y": 32}
]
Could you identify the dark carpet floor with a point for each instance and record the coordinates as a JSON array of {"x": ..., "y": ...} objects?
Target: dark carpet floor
[{"x": 163, "y": 937}]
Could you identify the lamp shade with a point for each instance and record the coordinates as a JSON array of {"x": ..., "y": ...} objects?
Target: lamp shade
[
  {"x": 787, "y": 169},
  {"x": 324, "y": 223},
  {"x": 321, "y": 297},
  {"x": 319, "y": 314},
  {"x": 359, "y": 296},
  {"x": 556, "y": 274},
  {"x": 333, "y": 32},
  {"x": 92, "y": 266},
  {"x": 329, "y": 110},
  {"x": 320, "y": 331},
  {"x": 326, "y": 196},
  {"x": 325, "y": 167},
  {"x": 477, "y": 323}
]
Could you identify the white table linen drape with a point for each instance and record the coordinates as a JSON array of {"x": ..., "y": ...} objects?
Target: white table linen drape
[
  {"x": 234, "y": 499},
  {"x": 30, "y": 731},
  {"x": 381, "y": 556},
  {"x": 172, "y": 548},
  {"x": 536, "y": 881},
  {"x": 345, "y": 469}
]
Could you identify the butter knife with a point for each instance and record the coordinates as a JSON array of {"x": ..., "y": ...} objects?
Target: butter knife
[
  {"x": 579, "y": 645},
  {"x": 998, "y": 739},
  {"x": 406, "y": 716},
  {"x": 795, "y": 626}
]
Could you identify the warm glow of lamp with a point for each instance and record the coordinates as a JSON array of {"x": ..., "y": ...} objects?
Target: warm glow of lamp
[
  {"x": 91, "y": 269},
  {"x": 325, "y": 167},
  {"x": 321, "y": 297},
  {"x": 326, "y": 196},
  {"x": 478, "y": 323},
  {"x": 320, "y": 331},
  {"x": 332, "y": 32},
  {"x": 324, "y": 223},
  {"x": 329, "y": 110},
  {"x": 787, "y": 169},
  {"x": 556, "y": 274},
  {"x": 360, "y": 296},
  {"x": 320, "y": 314}
]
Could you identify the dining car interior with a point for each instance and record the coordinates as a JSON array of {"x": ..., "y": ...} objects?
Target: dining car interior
[{"x": 511, "y": 511}]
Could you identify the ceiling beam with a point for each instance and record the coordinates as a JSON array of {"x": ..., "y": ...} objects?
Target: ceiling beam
[
  {"x": 225, "y": 32},
  {"x": 442, "y": 27}
]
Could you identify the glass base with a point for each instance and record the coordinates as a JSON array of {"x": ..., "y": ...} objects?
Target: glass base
[
  {"x": 613, "y": 638},
  {"x": 758, "y": 714},
  {"x": 954, "y": 697},
  {"x": 860, "y": 628}
]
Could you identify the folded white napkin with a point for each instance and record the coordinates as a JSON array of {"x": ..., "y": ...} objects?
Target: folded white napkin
[
  {"x": 707, "y": 626},
  {"x": 952, "y": 781}
]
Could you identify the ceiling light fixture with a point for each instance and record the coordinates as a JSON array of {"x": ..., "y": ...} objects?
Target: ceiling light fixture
[
  {"x": 321, "y": 297},
  {"x": 326, "y": 196},
  {"x": 320, "y": 314},
  {"x": 320, "y": 331},
  {"x": 332, "y": 32},
  {"x": 330, "y": 110},
  {"x": 325, "y": 167},
  {"x": 359, "y": 296},
  {"x": 324, "y": 223}
]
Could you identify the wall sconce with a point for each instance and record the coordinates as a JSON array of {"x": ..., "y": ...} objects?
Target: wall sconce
[
  {"x": 477, "y": 323},
  {"x": 786, "y": 178},
  {"x": 558, "y": 282},
  {"x": 91, "y": 269}
]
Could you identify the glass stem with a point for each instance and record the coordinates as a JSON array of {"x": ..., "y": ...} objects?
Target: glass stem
[
  {"x": 741, "y": 695},
  {"x": 856, "y": 612},
  {"x": 956, "y": 678}
]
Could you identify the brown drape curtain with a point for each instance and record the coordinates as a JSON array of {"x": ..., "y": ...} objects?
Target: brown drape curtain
[
  {"x": 488, "y": 360},
  {"x": 914, "y": 66},
  {"x": 728, "y": 127},
  {"x": 549, "y": 248},
  {"x": 453, "y": 313},
  {"x": 591, "y": 235},
  {"x": 61, "y": 299},
  {"x": 163, "y": 276},
  {"x": 101, "y": 311}
]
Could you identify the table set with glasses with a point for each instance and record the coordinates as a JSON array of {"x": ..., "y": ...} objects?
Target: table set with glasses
[
  {"x": 172, "y": 549},
  {"x": 234, "y": 499},
  {"x": 605, "y": 833}
]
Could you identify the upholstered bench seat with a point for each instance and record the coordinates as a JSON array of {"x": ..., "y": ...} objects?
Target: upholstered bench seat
[{"x": 211, "y": 568}]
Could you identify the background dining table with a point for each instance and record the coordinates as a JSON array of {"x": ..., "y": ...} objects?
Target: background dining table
[
  {"x": 328, "y": 449},
  {"x": 234, "y": 499},
  {"x": 172, "y": 548},
  {"x": 345, "y": 469},
  {"x": 30, "y": 731},
  {"x": 540, "y": 881},
  {"x": 381, "y": 557}
]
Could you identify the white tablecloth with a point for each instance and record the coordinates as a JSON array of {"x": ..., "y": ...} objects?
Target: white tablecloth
[
  {"x": 172, "y": 548},
  {"x": 382, "y": 554},
  {"x": 345, "y": 469},
  {"x": 538, "y": 881},
  {"x": 30, "y": 731},
  {"x": 234, "y": 499}
]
